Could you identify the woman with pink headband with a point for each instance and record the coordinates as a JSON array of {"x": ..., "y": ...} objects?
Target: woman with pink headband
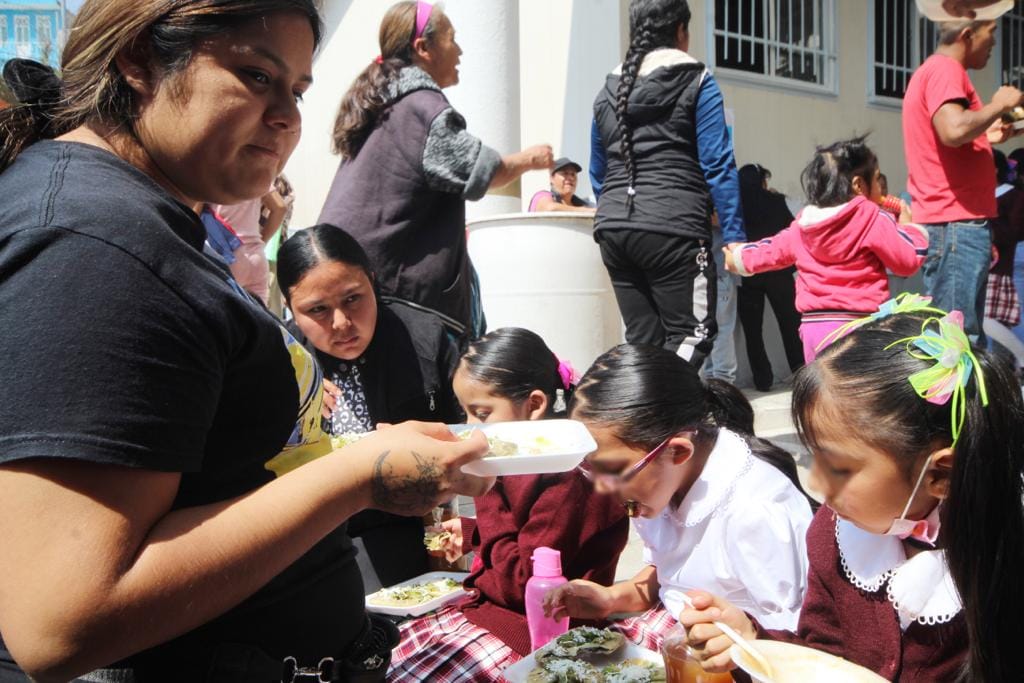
[
  {"x": 510, "y": 374},
  {"x": 409, "y": 165}
]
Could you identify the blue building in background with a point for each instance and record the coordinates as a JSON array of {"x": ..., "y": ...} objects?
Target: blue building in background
[{"x": 33, "y": 29}]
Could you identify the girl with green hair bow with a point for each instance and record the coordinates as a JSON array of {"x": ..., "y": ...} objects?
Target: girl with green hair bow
[{"x": 917, "y": 442}]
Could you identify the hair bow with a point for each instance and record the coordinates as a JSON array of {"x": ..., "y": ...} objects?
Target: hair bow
[
  {"x": 947, "y": 379},
  {"x": 904, "y": 303},
  {"x": 567, "y": 373}
]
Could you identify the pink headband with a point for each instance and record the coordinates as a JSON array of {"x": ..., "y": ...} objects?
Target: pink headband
[
  {"x": 423, "y": 10},
  {"x": 567, "y": 373}
]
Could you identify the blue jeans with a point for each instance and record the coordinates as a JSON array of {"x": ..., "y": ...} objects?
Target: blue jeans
[
  {"x": 721, "y": 363},
  {"x": 956, "y": 270}
]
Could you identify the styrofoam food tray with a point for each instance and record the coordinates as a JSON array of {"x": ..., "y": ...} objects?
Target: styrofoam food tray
[
  {"x": 799, "y": 664},
  {"x": 518, "y": 672},
  {"x": 423, "y": 608},
  {"x": 572, "y": 442}
]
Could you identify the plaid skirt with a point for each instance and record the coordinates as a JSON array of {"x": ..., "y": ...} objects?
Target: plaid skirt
[
  {"x": 444, "y": 647},
  {"x": 1001, "y": 300},
  {"x": 647, "y": 629}
]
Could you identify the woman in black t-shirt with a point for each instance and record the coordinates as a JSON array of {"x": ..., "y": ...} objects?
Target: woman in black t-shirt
[
  {"x": 147, "y": 401},
  {"x": 383, "y": 361}
]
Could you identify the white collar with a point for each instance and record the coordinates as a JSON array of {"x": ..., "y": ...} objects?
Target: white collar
[
  {"x": 729, "y": 460},
  {"x": 815, "y": 214},
  {"x": 920, "y": 589},
  {"x": 655, "y": 59}
]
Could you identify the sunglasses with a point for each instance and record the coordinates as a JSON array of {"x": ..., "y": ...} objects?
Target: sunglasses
[{"x": 615, "y": 480}]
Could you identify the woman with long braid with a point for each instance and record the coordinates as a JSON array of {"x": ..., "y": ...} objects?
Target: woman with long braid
[{"x": 661, "y": 154}]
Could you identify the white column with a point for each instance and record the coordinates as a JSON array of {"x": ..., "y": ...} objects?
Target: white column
[{"x": 488, "y": 90}]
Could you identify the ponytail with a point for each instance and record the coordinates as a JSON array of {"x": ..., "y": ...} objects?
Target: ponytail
[
  {"x": 363, "y": 104},
  {"x": 652, "y": 24},
  {"x": 729, "y": 408},
  {"x": 639, "y": 45},
  {"x": 37, "y": 89},
  {"x": 982, "y": 528}
]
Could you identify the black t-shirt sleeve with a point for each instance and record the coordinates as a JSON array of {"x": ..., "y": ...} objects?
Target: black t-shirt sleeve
[{"x": 103, "y": 361}]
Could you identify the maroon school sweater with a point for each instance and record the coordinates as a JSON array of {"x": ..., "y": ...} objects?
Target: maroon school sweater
[
  {"x": 520, "y": 513},
  {"x": 839, "y": 618}
]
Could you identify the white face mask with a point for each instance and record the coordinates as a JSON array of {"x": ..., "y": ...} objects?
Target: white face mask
[{"x": 925, "y": 530}]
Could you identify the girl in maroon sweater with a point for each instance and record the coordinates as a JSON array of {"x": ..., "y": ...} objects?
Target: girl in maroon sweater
[
  {"x": 918, "y": 447},
  {"x": 510, "y": 374}
]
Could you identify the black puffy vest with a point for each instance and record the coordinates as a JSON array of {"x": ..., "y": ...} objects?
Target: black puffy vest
[{"x": 672, "y": 195}]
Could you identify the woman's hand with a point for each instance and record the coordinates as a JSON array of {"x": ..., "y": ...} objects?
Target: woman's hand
[
  {"x": 417, "y": 466},
  {"x": 580, "y": 599},
  {"x": 451, "y": 546},
  {"x": 539, "y": 157},
  {"x": 707, "y": 642},
  {"x": 331, "y": 395}
]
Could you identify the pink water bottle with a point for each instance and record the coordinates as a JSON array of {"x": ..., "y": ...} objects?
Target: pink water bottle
[{"x": 547, "y": 574}]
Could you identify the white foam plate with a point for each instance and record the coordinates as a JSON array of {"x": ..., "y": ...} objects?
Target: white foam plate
[
  {"x": 422, "y": 608},
  {"x": 934, "y": 11},
  {"x": 798, "y": 664},
  {"x": 571, "y": 443},
  {"x": 518, "y": 672}
]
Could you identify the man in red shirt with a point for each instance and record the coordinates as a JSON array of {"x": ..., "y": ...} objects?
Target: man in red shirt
[{"x": 948, "y": 135}]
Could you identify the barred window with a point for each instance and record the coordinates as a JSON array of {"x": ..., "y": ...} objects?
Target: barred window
[
  {"x": 1010, "y": 38},
  {"x": 901, "y": 40},
  {"x": 784, "y": 41},
  {"x": 21, "y": 33}
]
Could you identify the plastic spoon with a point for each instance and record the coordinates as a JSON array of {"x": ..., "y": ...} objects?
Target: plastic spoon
[{"x": 766, "y": 668}]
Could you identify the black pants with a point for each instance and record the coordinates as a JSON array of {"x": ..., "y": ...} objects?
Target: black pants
[
  {"x": 666, "y": 288},
  {"x": 393, "y": 543},
  {"x": 778, "y": 287}
]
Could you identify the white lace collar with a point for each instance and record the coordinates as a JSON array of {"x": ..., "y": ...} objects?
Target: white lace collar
[
  {"x": 729, "y": 460},
  {"x": 920, "y": 589}
]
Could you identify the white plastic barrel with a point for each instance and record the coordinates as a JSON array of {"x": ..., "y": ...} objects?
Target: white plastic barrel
[{"x": 543, "y": 271}]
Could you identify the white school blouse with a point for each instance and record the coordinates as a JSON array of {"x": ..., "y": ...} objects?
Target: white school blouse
[{"x": 739, "y": 534}]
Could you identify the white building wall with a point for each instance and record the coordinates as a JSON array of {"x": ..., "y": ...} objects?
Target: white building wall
[{"x": 779, "y": 127}]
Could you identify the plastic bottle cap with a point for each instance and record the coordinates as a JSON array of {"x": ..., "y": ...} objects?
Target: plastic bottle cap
[{"x": 547, "y": 562}]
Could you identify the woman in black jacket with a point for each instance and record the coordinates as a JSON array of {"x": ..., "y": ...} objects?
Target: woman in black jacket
[
  {"x": 383, "y": 361},
  {"x": 765, "y": 213}
]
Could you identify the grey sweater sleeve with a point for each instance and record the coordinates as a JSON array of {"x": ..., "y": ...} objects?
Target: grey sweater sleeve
[{"x": 455, "y": 161}]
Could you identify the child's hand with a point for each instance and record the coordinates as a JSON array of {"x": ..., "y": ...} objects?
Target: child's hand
[
  {"x": 905, "y": 217},
  {"x": 730, "y": 262},
  {"x": 709, "y": 645},
  {"x": 331, "y": 393},
  {"x": 580, "y": 599},
  {"x": 451, "y": 546}
]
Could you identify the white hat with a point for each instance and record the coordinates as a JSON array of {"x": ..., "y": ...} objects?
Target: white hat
[{"x": 984, "y": 10}]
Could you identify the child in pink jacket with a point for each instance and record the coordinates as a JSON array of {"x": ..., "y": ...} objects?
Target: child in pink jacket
[{"x": 841, "y": 243}]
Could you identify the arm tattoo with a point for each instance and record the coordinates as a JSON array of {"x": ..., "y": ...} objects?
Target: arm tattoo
[{"x": 400, "y": 492}]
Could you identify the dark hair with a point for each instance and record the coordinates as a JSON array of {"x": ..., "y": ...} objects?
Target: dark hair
[
  {"x": 93, "y": 87},
  {"x": 646, "y": 394},
  {"x": 652, "y": 24},
  {"x": 370, "y": 93},
  {"x": 1002, "y": 166},
  {"x": 1018, "y": 156},
  {"x": 308, "y": 248},
  {"x": 828, "y": 179},
  {"x": 515, "y": 362},
  {"x": 982, "y": 530}
]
